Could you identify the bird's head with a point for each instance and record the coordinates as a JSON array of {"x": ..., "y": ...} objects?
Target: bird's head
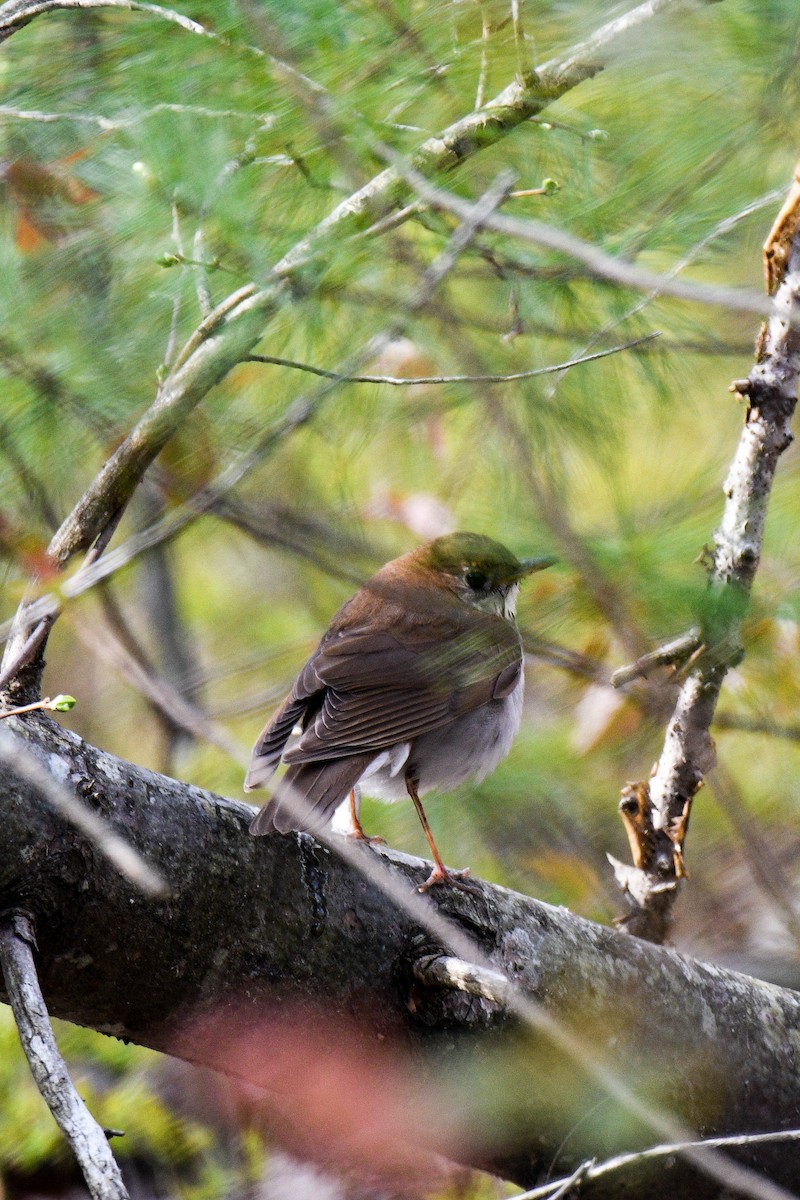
[{"x": 478, "y": 570}]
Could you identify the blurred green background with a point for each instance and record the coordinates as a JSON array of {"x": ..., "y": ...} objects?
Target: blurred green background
[{"x": 133, "y": 150}]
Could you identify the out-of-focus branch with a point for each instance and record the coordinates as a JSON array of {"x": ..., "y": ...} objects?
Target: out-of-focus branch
[
  {"x": 159, "y": 693},
  {"x": 763, "y": 725},
  {"x": 670, "y": 654},
  {"x": 87, "y": 1139},
  {"x": 656, "y": 811},
  {"x": 602, "y": 265},
  {"x": 218, "y": 343},
  {"x": 765, "y": 867}
]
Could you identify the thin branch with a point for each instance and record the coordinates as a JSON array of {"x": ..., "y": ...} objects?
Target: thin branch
[
  {"x": 563, "y": 657},
  {"x": 87, "y": 1139},
  {"x": 19, "y": 762},
  {"x": 756, "y": 725},
  {"x": 167, "y": 701},
  {"x": 116, "y": 124},
  {"x": 480, "y": 91},
  {"x": 22, "y": 646},
  {"x": 656, "y": 812},
  {"x": 450, "y": 317},
  {"x": 60, "y": 703},
  {"x": 411, "y": 381},
  {"x": 676, "y": 651},
  {"x": 15, "y": 14},
  {"x": 595, "y": 1170}
]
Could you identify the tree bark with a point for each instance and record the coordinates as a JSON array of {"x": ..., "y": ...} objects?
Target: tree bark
[{"x": 281, "y": 924}]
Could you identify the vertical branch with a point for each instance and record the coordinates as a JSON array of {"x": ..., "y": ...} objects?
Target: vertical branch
[
  {"x": 85, "y": 1136},
  {"x": 656, "y": 812}
]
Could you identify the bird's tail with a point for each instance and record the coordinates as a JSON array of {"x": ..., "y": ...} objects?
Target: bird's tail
[{"x": 309, "y": 793}]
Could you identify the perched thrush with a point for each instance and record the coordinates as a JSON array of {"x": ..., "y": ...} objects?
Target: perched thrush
[{"x": 417, "y": 684}]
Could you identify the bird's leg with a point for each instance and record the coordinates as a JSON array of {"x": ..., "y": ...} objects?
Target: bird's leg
[
  {"x": 357, "y": 831},
  {"x": 440, "y": 873}
]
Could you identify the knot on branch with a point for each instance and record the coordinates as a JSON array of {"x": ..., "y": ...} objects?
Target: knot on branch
[
  {"x": 656, "y": 851},
  {"x": 650, "y": 885}
]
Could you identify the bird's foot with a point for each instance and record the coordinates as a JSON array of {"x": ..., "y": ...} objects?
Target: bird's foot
[{"x": 457, "y": 879}]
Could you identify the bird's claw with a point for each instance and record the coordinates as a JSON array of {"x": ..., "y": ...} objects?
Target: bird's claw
[{"x": 457, "y": 879}]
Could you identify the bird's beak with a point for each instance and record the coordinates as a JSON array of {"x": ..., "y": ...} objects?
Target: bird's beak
[{"x": 528, "y": 565}]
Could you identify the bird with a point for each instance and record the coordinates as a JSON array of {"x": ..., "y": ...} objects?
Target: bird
[{"x": 417, "y": 684}]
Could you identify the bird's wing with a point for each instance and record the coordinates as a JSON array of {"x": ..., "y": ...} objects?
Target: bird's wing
[
  {"x": 375, "y": 689},
  {"x": 272, "y": 739}
]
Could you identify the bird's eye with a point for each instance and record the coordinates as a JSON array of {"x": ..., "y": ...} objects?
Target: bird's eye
[{"x": 475, "y": 579}]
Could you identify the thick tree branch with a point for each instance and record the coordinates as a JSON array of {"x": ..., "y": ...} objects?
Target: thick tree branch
[{"x": 251, "y": 924}]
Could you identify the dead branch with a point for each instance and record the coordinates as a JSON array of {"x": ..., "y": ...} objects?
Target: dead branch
[
  {"x": 87, "y": 1139},
  {"x": 656, "y": 812}
]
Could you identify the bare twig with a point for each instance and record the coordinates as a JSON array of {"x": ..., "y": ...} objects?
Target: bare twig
[
  {"x": 480, "y": 91},
  {"x": 595, "y": 1170},
  {"x": 416, "y": 380},
  {"x": 676, "y": 651},
  {"x": 60, "y": 703},
  {"x": 18, "y": 761},
  {"x": 662, "y": 805},
  {"x": 112, "y": 124},
  {"x": 87, "y": 1139}
]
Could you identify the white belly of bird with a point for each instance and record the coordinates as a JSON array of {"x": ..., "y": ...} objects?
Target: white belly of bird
[{"x": 472, "y": 745}]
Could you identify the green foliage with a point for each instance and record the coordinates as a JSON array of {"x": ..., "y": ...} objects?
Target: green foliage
[{"x": 142, "y": 163}]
